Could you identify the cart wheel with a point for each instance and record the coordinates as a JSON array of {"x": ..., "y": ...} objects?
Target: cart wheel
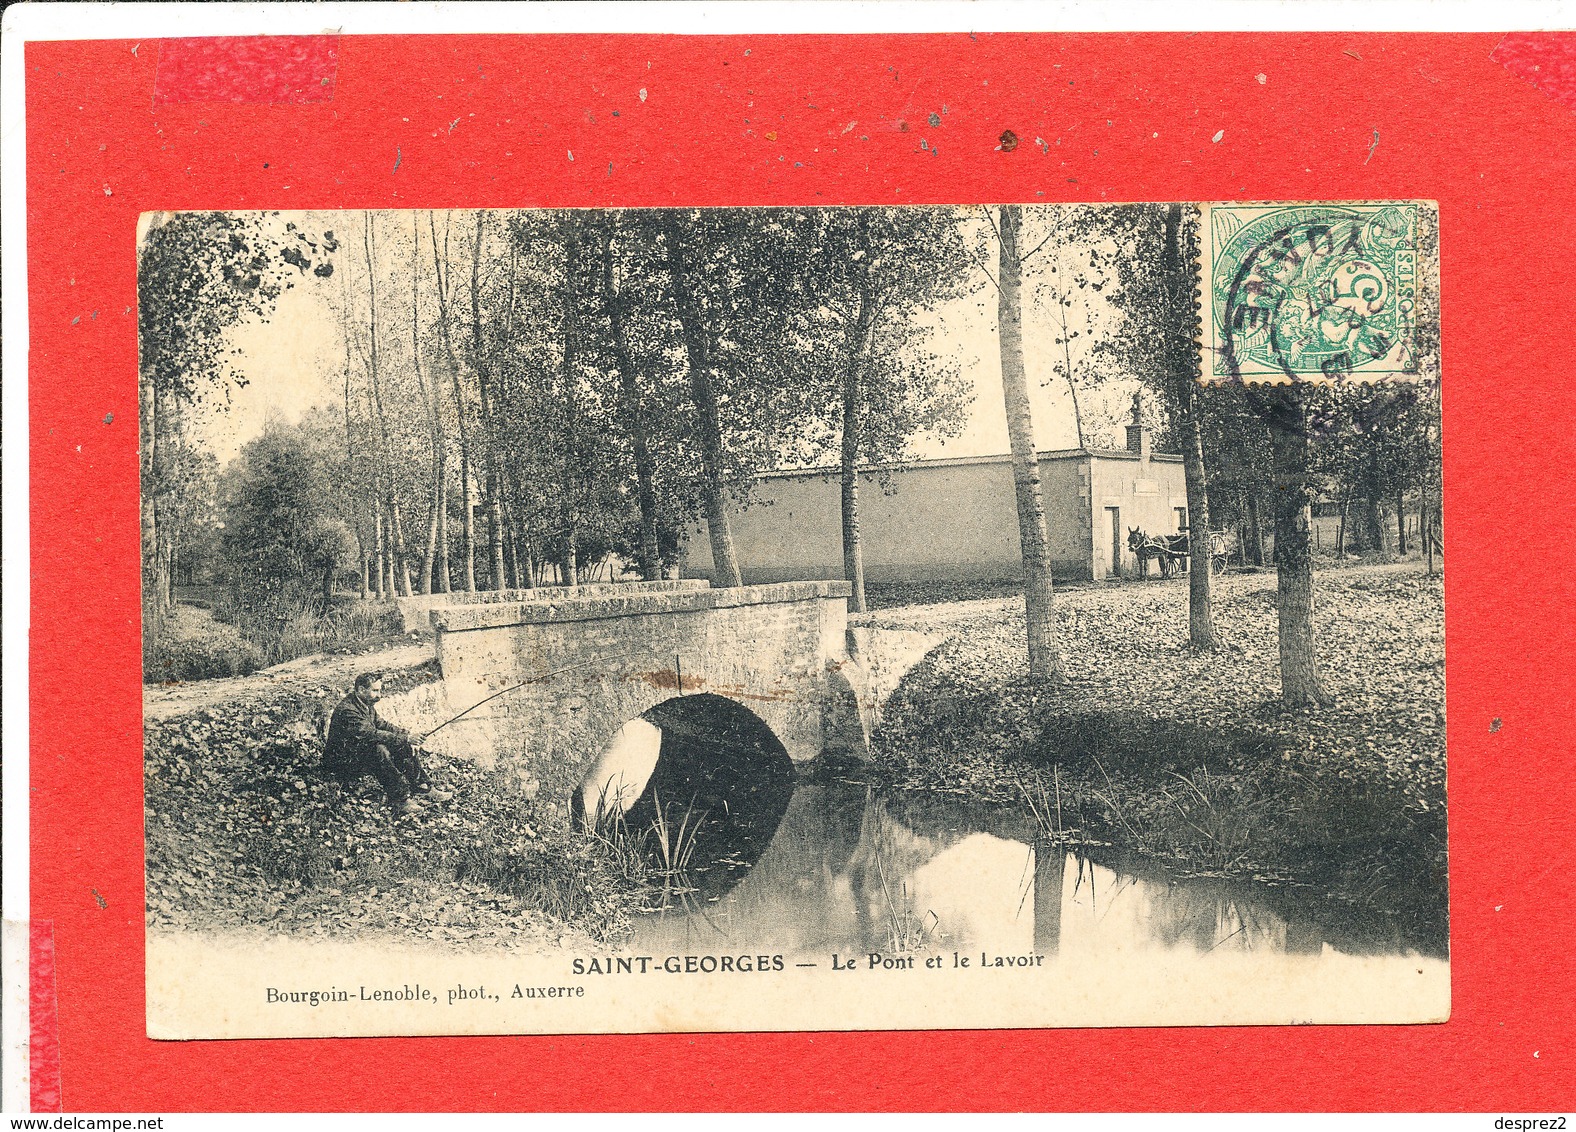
[{"x": 1218, "y": 564}]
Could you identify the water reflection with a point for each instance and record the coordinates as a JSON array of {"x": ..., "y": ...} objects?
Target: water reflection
[
  {"x": 700, "y": 783},
  {"x": 855, "y": 872}
]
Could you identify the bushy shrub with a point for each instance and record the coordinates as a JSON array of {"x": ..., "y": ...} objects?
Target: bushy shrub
[
  {"x": 203, "y": 658},
  {"x": 249, "y": 631},
  {"x": 289, "y": 622},
  {"x": 357, "y": 619}
]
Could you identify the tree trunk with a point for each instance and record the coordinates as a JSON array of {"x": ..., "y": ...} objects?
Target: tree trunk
[
  {"x": 489, "y": 426},
  {"x": 399, "y": 564},
  {"x": 533, "y": 570},
  {"x": 443, "y": 580},
  {"x": 440, "y": 268},
  {"x": 1201, "y": 575},
  {"x": 147, "y": 436},
  {"x": 362, "y": 588},
  {"x": 379, "y": 542},
  {"x": 508, "y": 482},
  {"x": 568, "y": 494},
  {"x": 1378, "y": 545},
  {"x": 1340, "y": 527},
  {"x": 1300, "y": 681},
  {"x": 1179, "y": 290},
  {"x": 1067, "y": 362},
  {"x": 171, "y": 557},
  {"x": 429, "y": 402},
  {"x": 467, "y": 513},
  {"x": 1430, "y": 490},
  {"x": 1400, "y": 520},
  {"x": 149, "y": 420},
  {"x": 629, "y": 388},
  {"x": 385, "y": 556},
  {"x": 725, "y": 560},
  {"x": 853, "y": 548},
  {"x": 399, "y": 567},
  {"x": 511, "y": 550},
  {"x": 429, "y": 554},
  {"x": 167, "y": 427},
  {"x": 853, "y": 426},
  {"x": 377, "y": 548},
  {"x": 350, "y": 445},
  {"x": 1255, "y": 530},
  {"x": 1039, "y": 611},
  {"x": 1374, "y": 535},
  {"x": 568, "y": 567},
  {"x": 495, "y": 534},
  {"x": 520, "y": 536},
  {"x": 403, "y": 574}
]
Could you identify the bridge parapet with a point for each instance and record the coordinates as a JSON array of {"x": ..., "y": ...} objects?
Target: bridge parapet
[
  {"x": 589, "y": 663},
  {"x": 416, "y": 611}
]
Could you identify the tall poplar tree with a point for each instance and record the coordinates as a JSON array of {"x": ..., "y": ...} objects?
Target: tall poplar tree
[{"x": 1033, "y": 536}]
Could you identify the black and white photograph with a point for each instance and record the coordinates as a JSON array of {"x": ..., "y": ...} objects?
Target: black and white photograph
[{"x": 834, "y": 618}]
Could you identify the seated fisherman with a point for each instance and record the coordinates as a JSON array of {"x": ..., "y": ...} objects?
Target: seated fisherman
[{"x": 359, "y": 741}]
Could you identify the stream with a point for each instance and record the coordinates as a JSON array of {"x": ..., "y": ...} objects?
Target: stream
[
  {"x": 751, "y": 856},
  {"x": 855, "y": 871}
]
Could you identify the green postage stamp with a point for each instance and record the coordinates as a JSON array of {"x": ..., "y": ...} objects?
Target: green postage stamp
[{"x": 1324, "y": 292}]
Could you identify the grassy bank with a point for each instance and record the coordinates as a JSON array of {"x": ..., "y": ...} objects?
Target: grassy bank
[
  {"x": 216, "y": 636},
  {"x": 1190, "y": 757},
  {"x": 245, "y": 833}
]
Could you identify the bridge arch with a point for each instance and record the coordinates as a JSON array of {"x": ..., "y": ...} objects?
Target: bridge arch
[
  {"x": 586, "y": 664},
  {"x": 701, "y": 745}
]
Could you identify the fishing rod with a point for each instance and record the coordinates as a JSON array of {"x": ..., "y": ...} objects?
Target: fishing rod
[
  {"x": 477, "y": 704},
  {"x": 514, "y": 688}
]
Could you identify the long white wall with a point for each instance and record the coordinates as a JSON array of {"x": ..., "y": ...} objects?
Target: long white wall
[{"x": 940, "y": 520}]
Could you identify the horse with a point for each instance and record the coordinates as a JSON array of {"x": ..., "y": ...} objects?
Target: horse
[{"x": 1166, "y": 548}]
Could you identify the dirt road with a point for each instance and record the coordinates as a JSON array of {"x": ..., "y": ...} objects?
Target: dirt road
[{"x": 165, "y": 701}]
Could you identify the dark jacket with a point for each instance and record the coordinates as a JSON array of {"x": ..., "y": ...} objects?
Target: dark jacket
[{"x": 354, "y": 730}]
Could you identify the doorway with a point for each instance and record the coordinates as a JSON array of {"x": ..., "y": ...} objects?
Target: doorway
[{"x": 1114, "y": 525}]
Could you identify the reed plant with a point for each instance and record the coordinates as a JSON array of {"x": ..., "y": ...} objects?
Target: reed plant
[
  {"x": 675, "y": 845},
  {"x": 625, "y": 849},
  {"x": 1045, "y": 805},
  {"x": 1219, "y": 812}
]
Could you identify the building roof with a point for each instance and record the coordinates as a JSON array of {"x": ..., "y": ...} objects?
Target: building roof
[{"x": 966, "y": 461}]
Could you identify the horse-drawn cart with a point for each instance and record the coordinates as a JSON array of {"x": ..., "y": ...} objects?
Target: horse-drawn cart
[
  {"x": 1218, "y": 552},
  {"x": 1170, "y": 549}
]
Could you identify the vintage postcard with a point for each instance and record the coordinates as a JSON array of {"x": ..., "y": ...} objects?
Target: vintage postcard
[{"x": 999, "y": 615}]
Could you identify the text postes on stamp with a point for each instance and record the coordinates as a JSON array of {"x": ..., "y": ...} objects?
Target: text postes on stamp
[{"x": 1324, "y": 292}]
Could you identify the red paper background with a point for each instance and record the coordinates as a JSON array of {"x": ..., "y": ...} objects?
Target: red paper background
[{"x": 490, "y": 122}]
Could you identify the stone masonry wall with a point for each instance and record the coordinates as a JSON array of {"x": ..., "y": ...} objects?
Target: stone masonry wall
[
  {"x": 416, "y": 611},
  {"x": 594, "y": 662}
]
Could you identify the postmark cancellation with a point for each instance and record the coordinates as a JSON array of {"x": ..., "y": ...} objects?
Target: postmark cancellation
[{"x": 1319, "y": 292}]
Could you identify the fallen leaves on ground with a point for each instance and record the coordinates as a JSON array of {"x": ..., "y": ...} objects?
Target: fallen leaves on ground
[
  {"x": 244, "y": 831},
  {"x": 1191, "y": 754}
]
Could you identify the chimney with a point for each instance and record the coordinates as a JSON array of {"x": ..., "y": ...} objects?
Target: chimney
[{"x": 1138, "y": 436}]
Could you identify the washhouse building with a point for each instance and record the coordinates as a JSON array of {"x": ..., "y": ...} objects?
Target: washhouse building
[{"x": 955, "y": 519}]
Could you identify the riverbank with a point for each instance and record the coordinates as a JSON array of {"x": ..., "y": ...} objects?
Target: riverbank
[
  {"x": 210, "y": 634},
  {"x": 1189, "y": 757},
  {"x": 246, "y": 836}
]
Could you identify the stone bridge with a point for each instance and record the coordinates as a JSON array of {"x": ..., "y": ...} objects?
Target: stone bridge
[
  {"x": 589, "y": 662},
  {"x": 416, "y": 611}
]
